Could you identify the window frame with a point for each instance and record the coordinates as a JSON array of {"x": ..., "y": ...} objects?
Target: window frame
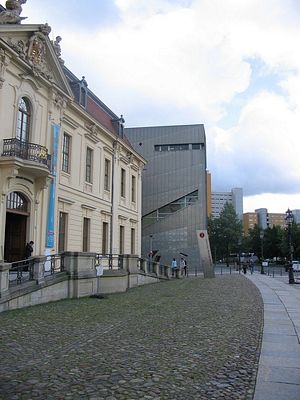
[
  {"x": 123, "y": 182},
  {"x": 62, "y": 231},
  {"x": 105, "y": 233},
  {"x": 89, "y": 165},
  {"x": 86, "y": 232},
  {"x": 107, "y": 173},
  {"x": 24, "y": 116},
  {"x": 132, "y": 240},
  {"x": 133, "y": 188},
  {"x": 121, "y": 239},
  {"x": 66, "y": 153}
]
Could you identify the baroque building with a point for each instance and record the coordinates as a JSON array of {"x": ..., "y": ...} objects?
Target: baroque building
[{"x": 69, "y": 180}]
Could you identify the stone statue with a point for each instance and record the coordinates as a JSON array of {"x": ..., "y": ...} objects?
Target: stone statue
[
  {"x": 56, "y": 46},
  {"x": 12, "y": 13}
]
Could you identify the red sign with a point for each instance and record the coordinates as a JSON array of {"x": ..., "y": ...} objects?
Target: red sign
[{"x": 201, "y": 235}]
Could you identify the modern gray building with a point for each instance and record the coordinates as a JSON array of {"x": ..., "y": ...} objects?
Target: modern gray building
[{"x": 173, "y": 189}]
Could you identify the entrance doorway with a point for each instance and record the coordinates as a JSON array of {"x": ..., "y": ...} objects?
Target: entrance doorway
[{"x": 16, "y": 227}]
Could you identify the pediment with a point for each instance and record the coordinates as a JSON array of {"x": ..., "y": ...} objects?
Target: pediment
[{"x": 31, "y": 45}]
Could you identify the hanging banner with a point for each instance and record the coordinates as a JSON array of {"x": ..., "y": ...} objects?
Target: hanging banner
[{"x": 50, "y": 243}]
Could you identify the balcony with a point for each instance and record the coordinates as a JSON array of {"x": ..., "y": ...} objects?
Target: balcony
[{"x": 36, "y": 158}]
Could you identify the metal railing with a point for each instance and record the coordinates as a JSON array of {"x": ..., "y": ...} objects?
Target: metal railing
[
  {"x": 110, "y": 261},
  {"x": 21, "y": 272},
  {"x": 34, "y": 268},
  {"x": 27, "y": 151},
  {"x": 53, "y": 264},
  {"x": 272, "y": 270}
]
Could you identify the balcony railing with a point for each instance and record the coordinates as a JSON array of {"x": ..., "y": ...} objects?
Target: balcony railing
[{"x": 27, "y": 151}]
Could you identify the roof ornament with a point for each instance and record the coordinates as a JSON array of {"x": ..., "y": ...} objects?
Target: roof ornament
[
  {"x": 57, "y": 48},
  {"x": 12, "y": 13}
]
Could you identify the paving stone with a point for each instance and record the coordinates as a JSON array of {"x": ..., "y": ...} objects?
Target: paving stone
[{"x": 183, "y": 339}]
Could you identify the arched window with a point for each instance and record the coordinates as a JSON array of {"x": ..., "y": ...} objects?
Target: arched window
[
  {"x": 16, "y": 201},
  {"x": 23, "y": 122}
]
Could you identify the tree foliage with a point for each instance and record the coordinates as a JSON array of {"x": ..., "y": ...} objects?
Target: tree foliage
[
  {"x": 274, "y": 241},
  {"x": 225, "y": 233}
]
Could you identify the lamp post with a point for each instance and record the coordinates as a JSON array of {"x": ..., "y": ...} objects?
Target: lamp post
[
  {"x": 289, "y": 220},
  {"x": 151, "y": 247},
  {"x": 261, "y": 235}
]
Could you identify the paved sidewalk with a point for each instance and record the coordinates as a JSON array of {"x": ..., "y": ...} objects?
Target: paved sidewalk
[{"x": 279, "y": 364}]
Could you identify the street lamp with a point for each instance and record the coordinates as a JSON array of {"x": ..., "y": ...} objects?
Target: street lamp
[
  {"x": 151, "y": 247},
  {"x": 261, "y": 235},
  {"x": 289, "y": 220}
]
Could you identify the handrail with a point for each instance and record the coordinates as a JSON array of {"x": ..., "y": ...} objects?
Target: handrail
[{"x": 14, "y": 147}]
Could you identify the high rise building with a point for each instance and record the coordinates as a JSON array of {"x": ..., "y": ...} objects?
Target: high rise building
[{"x": 219, "y": 199}]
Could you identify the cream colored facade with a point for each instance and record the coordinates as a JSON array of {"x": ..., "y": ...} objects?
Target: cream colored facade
[{"x": 31, "y": 69}]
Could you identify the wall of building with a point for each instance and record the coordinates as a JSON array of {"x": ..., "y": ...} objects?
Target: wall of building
[
  {"x": 176, "y": 168},
  {"x": 50, "y": 191}
]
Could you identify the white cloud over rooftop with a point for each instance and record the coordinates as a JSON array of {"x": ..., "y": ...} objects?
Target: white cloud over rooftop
[{"x": 202, "y": 59}]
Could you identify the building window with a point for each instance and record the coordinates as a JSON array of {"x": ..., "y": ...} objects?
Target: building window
[
  {"x": 197, "y": 146},
  {"x": 123, "y": 182},
  {"x": 62, "y": 231},
  {"x": 122, "y": 230},
  {"x": 178, "y": 147},
  {"x": 66, "y": 153},
  {"x": 17, "y": 202},
  {"x": 132, "y": 241},
  {"x": 105, "y": 238},
  {"x": 107, "y": 174},
  {"x": 89, "y": 165},
  {"x": 23, "y": 122},
  {"x": 133, "y": 189},
  {"x": 86, "y": 235}
]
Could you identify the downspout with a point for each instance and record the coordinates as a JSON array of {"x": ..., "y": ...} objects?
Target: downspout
[{"x": 112, "y": 197}]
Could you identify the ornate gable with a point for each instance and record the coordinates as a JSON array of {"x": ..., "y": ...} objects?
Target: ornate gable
[{"x": 31, "y": 44}]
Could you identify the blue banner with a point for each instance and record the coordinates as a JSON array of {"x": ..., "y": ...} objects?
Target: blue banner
[{"x": 50, "y": 242}]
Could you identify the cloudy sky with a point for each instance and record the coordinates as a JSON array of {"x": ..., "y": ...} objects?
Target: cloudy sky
[{"x": 233, "y": 65}]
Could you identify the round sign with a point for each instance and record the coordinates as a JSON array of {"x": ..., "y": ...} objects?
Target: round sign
[{"x": 201, "y": 235}]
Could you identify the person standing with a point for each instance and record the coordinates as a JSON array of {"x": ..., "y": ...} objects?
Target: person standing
[
  {"x": 174, "y": 267},
  {"x": 29, "y": 249},
  {"x": 183, "y": 266}
]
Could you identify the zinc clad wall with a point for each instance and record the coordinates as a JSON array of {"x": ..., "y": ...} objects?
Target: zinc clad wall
[{"x": 168, "y": 176}]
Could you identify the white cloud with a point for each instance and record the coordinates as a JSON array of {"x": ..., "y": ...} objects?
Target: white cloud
[
  {"x": 193, "y": 55},
  {"x": 275, "y": 203}
]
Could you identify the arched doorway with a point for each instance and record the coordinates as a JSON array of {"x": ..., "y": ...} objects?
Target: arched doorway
[{"x": 16, "y": 226}]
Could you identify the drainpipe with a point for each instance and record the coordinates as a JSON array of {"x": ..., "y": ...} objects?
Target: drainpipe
[{"x": 112, "y": 197}]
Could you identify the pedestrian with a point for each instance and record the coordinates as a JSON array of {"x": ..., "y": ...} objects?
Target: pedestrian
[
  {"x": 251, "y": 265},
  {"x": 29, "y": 249},
  {"x": 244, "y": 268},
  {"x": 183, "y": 266},
  {"x": 174, "y": 267}
]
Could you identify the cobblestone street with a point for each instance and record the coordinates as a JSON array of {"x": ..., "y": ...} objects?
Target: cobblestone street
[{"x": 185, "y": 339}]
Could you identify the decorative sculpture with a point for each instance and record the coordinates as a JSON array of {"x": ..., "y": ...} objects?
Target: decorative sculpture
[
  {"x": 12, "y": 13},
  {"x": 57, "y": 48}
]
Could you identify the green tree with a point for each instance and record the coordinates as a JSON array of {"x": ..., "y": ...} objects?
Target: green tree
[
  {"x": 295, "y": 237},
  {"x": 255, "y": 242},
  {"x": 273, "y": 238},
  {"x": 225, "y": 232}
]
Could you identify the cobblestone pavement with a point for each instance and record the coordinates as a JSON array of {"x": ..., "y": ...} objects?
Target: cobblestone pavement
[{"x": 185, "y": 339}]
